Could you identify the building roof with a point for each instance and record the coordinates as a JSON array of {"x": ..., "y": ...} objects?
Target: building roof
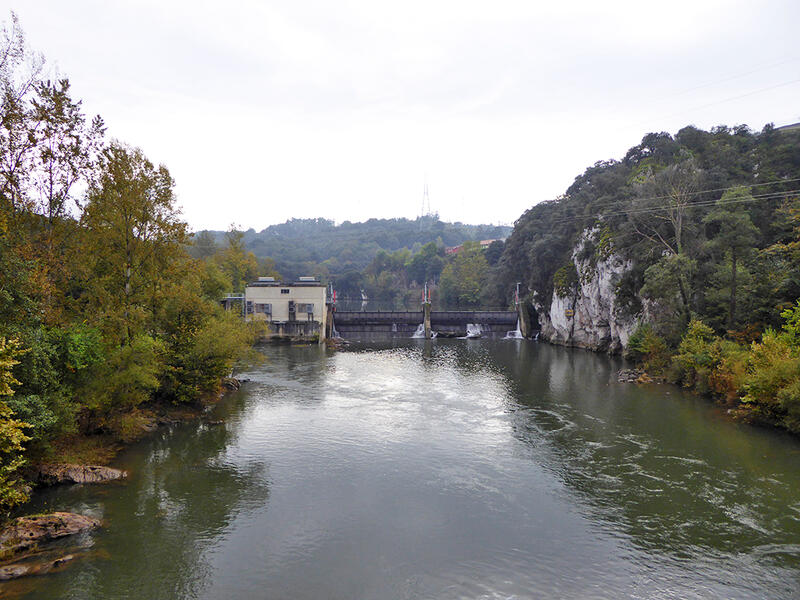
[{"x": 270, "y": 282}]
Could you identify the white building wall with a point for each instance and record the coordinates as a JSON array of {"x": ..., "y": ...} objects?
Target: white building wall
[{"x": 279, "y": 297}]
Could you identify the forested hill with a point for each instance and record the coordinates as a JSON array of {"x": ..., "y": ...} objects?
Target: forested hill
[
  {"x": 319, "y": 246},
  {"x": 706, "y": 219},
  {"x": 685, "y": 254}
]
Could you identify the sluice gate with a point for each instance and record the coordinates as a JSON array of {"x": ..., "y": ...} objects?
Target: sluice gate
[{"x": 406, "y": 323}]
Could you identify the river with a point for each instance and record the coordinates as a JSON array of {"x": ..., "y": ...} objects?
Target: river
[{"x": 444, "y": 469}]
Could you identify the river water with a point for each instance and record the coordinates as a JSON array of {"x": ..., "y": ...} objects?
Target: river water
[{"x": 445, "y": 469}]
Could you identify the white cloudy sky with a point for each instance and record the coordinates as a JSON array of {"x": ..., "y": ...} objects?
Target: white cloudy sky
[{"x": 268, "y": 110}]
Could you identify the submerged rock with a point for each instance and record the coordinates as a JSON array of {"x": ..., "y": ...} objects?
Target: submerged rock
[
  {"x": 55, "y": 474},
  {"x": 40, "y": 567},
  {"x": 26, "y": 533}
]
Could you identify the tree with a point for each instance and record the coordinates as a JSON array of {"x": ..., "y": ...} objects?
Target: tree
[
  {"x": 667, "y": 281},
  {"x": 733, "y": 233},
  {"x": 240, "y": 266},
  {"x": 12, "y": 436},
  {"x": 668, "y": 193},
  {"x": 427, "y": 264},
  {"x": 494, "y": 252},
  {"x": 464, "y": 278},
  {"x": 20, "y": 70},
  {"x": 135, "y": 237},
  {"x": 204, "y": 245}
]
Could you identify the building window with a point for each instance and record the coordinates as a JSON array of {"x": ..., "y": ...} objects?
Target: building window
[
  {"x": 264, "y": 309},
  {"x": 284, "y": 290},
  {"x": 249, "y": 307}
]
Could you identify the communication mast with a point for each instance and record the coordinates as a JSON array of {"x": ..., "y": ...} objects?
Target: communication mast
[{"x": 426, "y": 201}]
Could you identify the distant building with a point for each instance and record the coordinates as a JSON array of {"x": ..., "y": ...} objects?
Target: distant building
[
  {"x": 484, "y": 244},
  {"x": 296, "y": 309}
]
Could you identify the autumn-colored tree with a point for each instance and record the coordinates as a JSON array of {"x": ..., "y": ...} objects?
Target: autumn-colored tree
[{"x": 12, "y": 436}]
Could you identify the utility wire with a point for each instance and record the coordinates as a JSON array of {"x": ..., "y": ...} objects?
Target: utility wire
[
  {"x": 694, "y": 193},
  {"x": 739, "y": 75},
  {"x": 595, "y": 216}
]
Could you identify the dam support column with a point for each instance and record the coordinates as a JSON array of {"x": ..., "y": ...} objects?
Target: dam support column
[
  {"x": 426, "y": 311},
  {"x": 426, "y": 319},
  {"x": 327, "y": 330},
  {"x": 524, "y": 320}
]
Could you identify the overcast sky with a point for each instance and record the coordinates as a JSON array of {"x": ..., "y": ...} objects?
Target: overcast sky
[{"x": 265, "y": 111}]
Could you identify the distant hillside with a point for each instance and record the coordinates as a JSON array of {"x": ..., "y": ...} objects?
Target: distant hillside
[{"x": 318, "y": 246}]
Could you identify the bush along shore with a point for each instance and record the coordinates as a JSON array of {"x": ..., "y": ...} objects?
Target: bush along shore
[
  {"x": 759, "y": 380},
  {"x": 108, "y": 325}
]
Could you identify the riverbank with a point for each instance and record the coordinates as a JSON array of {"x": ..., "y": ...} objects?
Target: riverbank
[
  {"x": 101, "y": 448},
  {"x": 26, "y": 540}
]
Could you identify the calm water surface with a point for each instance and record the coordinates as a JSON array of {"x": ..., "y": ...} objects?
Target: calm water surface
[{"x": 444, "y": 469}]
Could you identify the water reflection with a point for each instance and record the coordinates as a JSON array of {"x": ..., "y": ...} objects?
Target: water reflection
[
  {"x": 447, "y": 469},
  {"x": 183, "y": 493}
]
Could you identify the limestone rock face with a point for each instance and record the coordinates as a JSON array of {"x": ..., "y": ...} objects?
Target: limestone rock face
[
  {"x": 25, "y": 533},
  {"x": 589, "y": 316},
  {"x": 65, "y": 473}
]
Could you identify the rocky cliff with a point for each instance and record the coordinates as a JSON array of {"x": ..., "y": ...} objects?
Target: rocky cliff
[{"x": 586, "y": 313}]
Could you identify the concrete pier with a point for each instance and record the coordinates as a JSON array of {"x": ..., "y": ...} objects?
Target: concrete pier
[{"x": 426, "y": 319}]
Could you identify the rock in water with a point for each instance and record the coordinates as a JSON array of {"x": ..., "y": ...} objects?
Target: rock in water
[
  {"x": 56, "y": 474},
  {"x": 41, "y": 567},
  {"x": 25, "y": 533}
]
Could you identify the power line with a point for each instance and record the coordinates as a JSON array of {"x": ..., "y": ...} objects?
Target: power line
[
  {"x": 694, "y": 193},
  {"x": 739, "y": 75},
  {"x": 595, "y": 216},
  {"x": 638, "y": 124},
  {"x": 699, "y": 192}
]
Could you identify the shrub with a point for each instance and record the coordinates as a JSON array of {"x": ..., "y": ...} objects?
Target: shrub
[
  {"x": 128, "y": 377},
  {"x": 12, "y": 437},
  {"x": 772, "y": 380},
  {"x": 728, "y": 379},
  {"x": 649, "y": 349},
  {"x": 565, "y": 279},
  {"x": 699, "y": 353}
]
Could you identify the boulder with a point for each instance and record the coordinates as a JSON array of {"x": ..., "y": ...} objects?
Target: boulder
[
  {"x": 25, "y": 533},
  {"x": 54, "y": 474},
  {"x": 631, "y": 375}
]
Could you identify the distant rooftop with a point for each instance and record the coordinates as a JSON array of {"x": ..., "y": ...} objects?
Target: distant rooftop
[{"x": 301, "y": 282}]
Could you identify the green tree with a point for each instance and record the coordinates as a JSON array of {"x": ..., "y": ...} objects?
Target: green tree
[
  {"x": 204, "y": 245},
  {"x": 463, "y": 279},
  {"x": 239, "y": 265},
  {"x": 668, "y": 281},
  {"x": 494, "y": 252},
  {"x": 135, "y": 234},
  {"x": 733, "y": 233}
]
